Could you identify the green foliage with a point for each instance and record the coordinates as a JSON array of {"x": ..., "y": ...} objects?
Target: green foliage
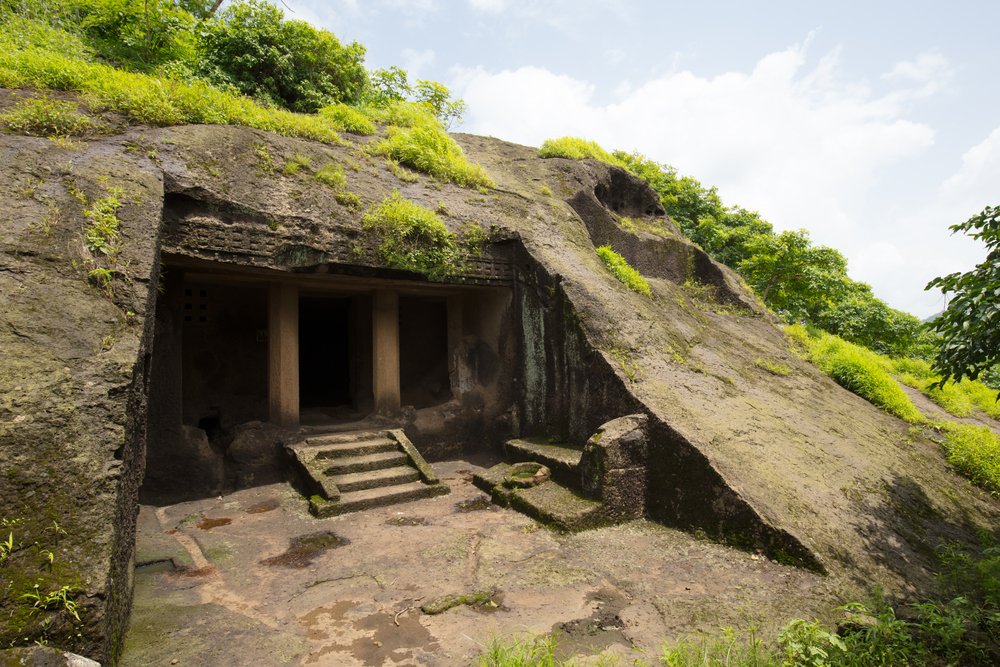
[
  {"x": 417, "y": 140},
  {"x": 792, "y": 276},
  {"x": 654, "y": 226},
  {"x": 331, "y": 175},
  {"x": 970, "y": 326},
  {"x": 348, "y": 119},
  {"x": 348, "y": 199},
  {"x": 808, "y": 644},
  {"x": 139, "y": 35},
  {"x": 253, "y": 48},
  {"x": 22, "y": 32},
  {"x": 575, "y": 148},
  {"x": 858, "y": 370},
  {"x": 773, "y": 367},
  {"x": 539, "y": 651},
  {"x": 797, "y": 279},
  {"x": 43, "y": 117},
  {"x": 437, "y": 97},
  {"x": 391, "y": 85},
  {"x": 621, "y": 270},
  {"x": 295, "y": 164},
  {"x": 102, "y": 233},
  {"x": 412, "y": 238},
  {"x": 151, "y": 100},
  {"x": 975, "y": 452},
  {"x": 958, "y": 398},
  {"x": 728, "y": 648}
]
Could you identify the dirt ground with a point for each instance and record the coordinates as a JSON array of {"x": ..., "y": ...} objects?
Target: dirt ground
[{"x": 252, "y": 578}]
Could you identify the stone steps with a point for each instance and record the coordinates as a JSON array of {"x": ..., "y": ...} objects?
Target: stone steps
[
  {"x": 365, "y": 462},
  {"x": 562, "y": 460},
  {"x": 346, "y": 472},
  {"x": 358, "y": 481},
  {"x": 354, "y": 501},
  {"x": 550, "y": 503}
]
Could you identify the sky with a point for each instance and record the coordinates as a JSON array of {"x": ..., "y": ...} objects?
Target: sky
[{"x": 873, "y": 125}]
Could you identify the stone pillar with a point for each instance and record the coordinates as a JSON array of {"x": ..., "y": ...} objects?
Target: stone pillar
[
  {"x": 456, "y": 364},
  {"x": 385, "y": 351},
  {"x": 283, "y": 354}
]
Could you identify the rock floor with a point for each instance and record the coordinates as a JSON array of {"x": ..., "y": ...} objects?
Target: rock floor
[{"x": 252, "y": 578}]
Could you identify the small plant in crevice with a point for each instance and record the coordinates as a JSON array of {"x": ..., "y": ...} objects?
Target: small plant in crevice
[
  {"x": 348, "y": 199},
  {"x": 773, "y": 367},
  {"x": 621, "y": 270},
  {"x": 102, "y": 235},
  {"x": 265, "y": 162},
  {"x": 295, "y": 164},
  {"x": 331, "y": 175}
]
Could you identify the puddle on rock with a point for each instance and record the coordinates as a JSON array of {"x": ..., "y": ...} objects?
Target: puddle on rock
[
  {"x": 264, "y": 506},
  {"x": 304, "y": 548},
  {"x": 209, "y": 524},
  {"x": 597, "y": 632},
  {"x": 474, "y": 504},
  {"x": 406, "y": 521}
]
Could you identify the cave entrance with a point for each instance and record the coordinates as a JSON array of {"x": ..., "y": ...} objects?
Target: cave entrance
[{"x": 334, "y": 337}]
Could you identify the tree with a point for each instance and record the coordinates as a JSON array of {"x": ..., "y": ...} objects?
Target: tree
[
  {"x": 251, "y": 47},
  {"x": 860, "y": 317},
  {"x": 970, "y": 325},
  {"x": 794, "y": 277}
]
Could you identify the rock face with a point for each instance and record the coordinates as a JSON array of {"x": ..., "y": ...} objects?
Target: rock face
[
  {"x": 73, "y": 384},
  {"x": 794, "y": 466}
]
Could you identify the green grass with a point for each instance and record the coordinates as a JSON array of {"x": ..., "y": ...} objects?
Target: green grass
[
  {"x": 412, "y": 238},
  {"x": 296, "y": 163},
  {"x": 538, "y": 651},
  {"x": 857, "y": 369},
  {"x": 639, "y": 225},
  {"x": 349, "y": 119},
  {"x": 331, "y": 175},
  {"x": 772, "y": 367},
  {"x": 957, "y": 398},
  {"x": 621, "y": 270},
  {"x": 42, "y": 117},
  {"x": 416, "y": 139},
  {"x": 975, "y": 452},
  {"x": 148, "y": 100},
  {"x": 575, "y": 148}
]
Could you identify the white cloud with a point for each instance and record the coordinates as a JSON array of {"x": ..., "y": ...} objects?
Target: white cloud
[
  {"x": 488, "y": 6},
  {"x": 930, "y": 71},
  {"x": 799, "y": 142},
  {"x": 414, "y": 61}
]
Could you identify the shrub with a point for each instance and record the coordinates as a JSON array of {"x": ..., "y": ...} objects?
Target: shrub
[
  {"x": 575, "y": 148},
  {"x": 42, "y": 117},
  {"x": 416, "y": 139},
  {"x": 975, "y": 452},
  {"x": 412, "y": 238},
  {"x": 251, "y": 47},
  {"x": 621, "y": 270},
  {"x": 348, "y": 119}
]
